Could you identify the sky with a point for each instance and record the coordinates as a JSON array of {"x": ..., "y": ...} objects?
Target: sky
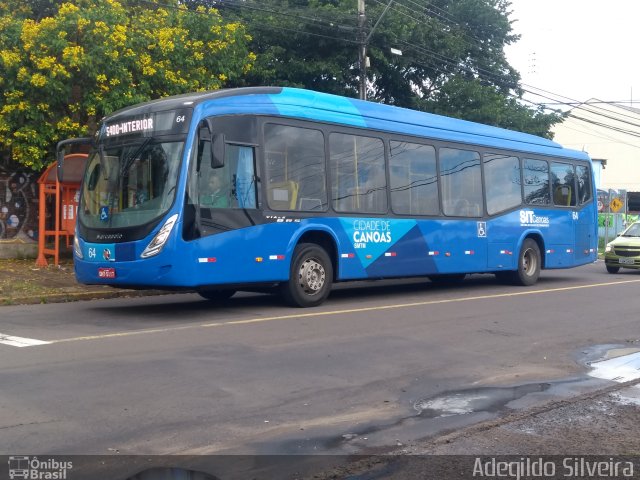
[{"x": 580, "y": 49}]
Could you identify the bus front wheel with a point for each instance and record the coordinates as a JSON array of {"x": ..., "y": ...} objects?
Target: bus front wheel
[
  {"x": 310, "y": 276},
  {"x": 529, "y": 264}
]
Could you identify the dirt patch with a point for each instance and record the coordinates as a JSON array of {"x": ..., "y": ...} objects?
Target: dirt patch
[{"x": 22, "y": 282}]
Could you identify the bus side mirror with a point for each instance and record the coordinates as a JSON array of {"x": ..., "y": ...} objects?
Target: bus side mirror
[
  {"x": 60, "y": 167},
  {"x": 217, "y": 150},
  {"x": 60, "y": 151}
]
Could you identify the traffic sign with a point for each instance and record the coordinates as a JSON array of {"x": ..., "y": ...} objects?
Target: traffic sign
[{"x": 616, "y": 204}]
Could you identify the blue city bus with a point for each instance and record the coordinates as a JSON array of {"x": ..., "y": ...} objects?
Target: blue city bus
[{"x": 289, "y": 189}]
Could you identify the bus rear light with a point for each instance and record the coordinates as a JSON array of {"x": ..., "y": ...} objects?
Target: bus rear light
[
  {"x": 276, "y": 257},
  {"x": 348, "y": 255},
  {"x": 434, "y": 253},
  {"x": 469, "y": 252},
  {"x": 569, "y": 250},
  {"x": 551, "y": 251},
  {"x": 506, "y": 252},
  {"x": 207, "y": 260},
  {"x": 390, "y": 254},
  {"x": 156, "y": 245}
]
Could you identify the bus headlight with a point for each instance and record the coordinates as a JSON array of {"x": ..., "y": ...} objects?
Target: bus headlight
[
  {"x": 76, "y": 247},
  {"x": 155, "y": 246},
  {"x": 608, "y": 248}
]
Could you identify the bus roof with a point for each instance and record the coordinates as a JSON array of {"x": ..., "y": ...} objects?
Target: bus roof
[{"x": 323, "y": 107}]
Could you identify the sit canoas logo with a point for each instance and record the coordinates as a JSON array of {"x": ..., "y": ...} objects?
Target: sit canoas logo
[{"x": 528, "y": 218}]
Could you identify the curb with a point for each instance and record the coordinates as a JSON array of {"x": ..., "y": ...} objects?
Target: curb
[{"x": 78, "y": 296}]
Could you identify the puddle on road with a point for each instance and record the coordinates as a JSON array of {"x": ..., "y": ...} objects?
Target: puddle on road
[
  {"x": 622, "y": 368},
  {"x": 169, "y": 473},
  {"x": 620, "y": 365},
  {"x": 457, "y": 409},
  {"x": 484, "y": 399},
  {"x": 445, "y": 411}
]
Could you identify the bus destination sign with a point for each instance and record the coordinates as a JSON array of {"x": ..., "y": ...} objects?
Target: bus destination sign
[
  {"x": 131, "y": 126},
  {"x": 172, "y": 122}
]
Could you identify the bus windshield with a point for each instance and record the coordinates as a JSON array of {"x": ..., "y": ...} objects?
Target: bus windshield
[{"x": 130, "y": 184}]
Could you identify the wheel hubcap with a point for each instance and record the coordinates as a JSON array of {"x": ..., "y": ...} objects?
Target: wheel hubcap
[
  {"x": 312, "y": 276},
  {"x": 529, "y": 262}
]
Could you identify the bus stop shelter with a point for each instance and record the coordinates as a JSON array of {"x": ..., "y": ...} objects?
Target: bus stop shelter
[{"x": 62, "y": 210}]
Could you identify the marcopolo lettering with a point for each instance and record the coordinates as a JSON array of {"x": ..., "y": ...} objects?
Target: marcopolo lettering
[{"x": 131, "y": 126}]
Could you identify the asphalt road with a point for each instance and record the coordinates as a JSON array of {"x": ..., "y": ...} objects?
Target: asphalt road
[{"x": 371, "y": 368}]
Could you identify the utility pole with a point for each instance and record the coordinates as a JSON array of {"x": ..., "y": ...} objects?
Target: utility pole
[
  {"x": 364, "y": 41},
  {"x": 362, "y": 51}
]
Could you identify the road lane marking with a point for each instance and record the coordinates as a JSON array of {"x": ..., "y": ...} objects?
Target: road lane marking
[
  {"x": 334, "y": 312},
  {"x": 20, "y": 341}
]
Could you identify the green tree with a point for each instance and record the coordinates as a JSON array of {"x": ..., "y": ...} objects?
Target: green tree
[
  {"x": 61, "y": 73},
  {"x": 452, "y": 62}
]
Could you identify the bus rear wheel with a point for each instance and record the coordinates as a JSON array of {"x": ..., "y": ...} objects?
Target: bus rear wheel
[
  {"x": 310, "y": 276},
  {"x": 529, "y": 264}
]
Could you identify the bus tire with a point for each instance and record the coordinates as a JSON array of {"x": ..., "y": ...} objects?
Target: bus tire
[
  {"x": 612, "y": 269},
  {"x": 216, "y": 295},
  {"x": 529, "y": 264},
  {"x": 310, "y": 276}
]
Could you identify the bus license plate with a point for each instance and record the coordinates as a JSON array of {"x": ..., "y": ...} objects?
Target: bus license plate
[
  {"x": 107, "y": 272},
  {"x": 626, "y": 261}
]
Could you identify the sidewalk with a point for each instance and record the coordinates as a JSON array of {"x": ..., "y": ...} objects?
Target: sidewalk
[{"x": 22, "y": 282}]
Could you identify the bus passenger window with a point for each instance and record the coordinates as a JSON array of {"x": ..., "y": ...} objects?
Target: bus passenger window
[
  {"x": 536, "y": 182},
  {"x": 414, "y": 180},
  {"x": 357, "y": 174},
  {"x": 295, "y": 164},
  {"x": 502, "y": 182},
  {"x": 584, "y": 184},
  {"x": 563, "y": 184},
  {"x": 461, "y": 182}
]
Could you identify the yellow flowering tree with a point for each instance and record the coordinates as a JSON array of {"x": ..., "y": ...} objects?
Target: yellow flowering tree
[{"x": 61, "y": 73}]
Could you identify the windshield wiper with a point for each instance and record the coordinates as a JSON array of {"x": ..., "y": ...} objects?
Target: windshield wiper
[
  {"x": 127, "y": 163},
  {"x": 103, "y": 162}
]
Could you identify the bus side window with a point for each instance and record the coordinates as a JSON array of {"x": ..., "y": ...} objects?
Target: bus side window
[
  {"x": 461, "y": 182},
  {"x": 231, "y": 186},
  {"x": 414, "y": 179},
  {"x": 563, "y": 184},
  {"x": 583, "y": 178},
  {"x": 536, "y": 182},
  {"x": 357, "y": 173},
  {"x": 502, "y": 182},
  {"x": 295, "y": 164}
]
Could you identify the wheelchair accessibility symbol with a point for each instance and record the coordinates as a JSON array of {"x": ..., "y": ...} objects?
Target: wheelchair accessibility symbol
[
  {"x": 104, "y": 214},
  {"x": 482, "y": 229}
]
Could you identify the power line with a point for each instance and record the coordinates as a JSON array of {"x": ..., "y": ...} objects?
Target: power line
[
  {"x": 455, "y": 64},
  {"x": 259, "y": 26},
  {"x": 605, "y": 115}
]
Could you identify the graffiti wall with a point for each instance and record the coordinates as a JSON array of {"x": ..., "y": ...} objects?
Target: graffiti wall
[{"x": 18, "y": 204}]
